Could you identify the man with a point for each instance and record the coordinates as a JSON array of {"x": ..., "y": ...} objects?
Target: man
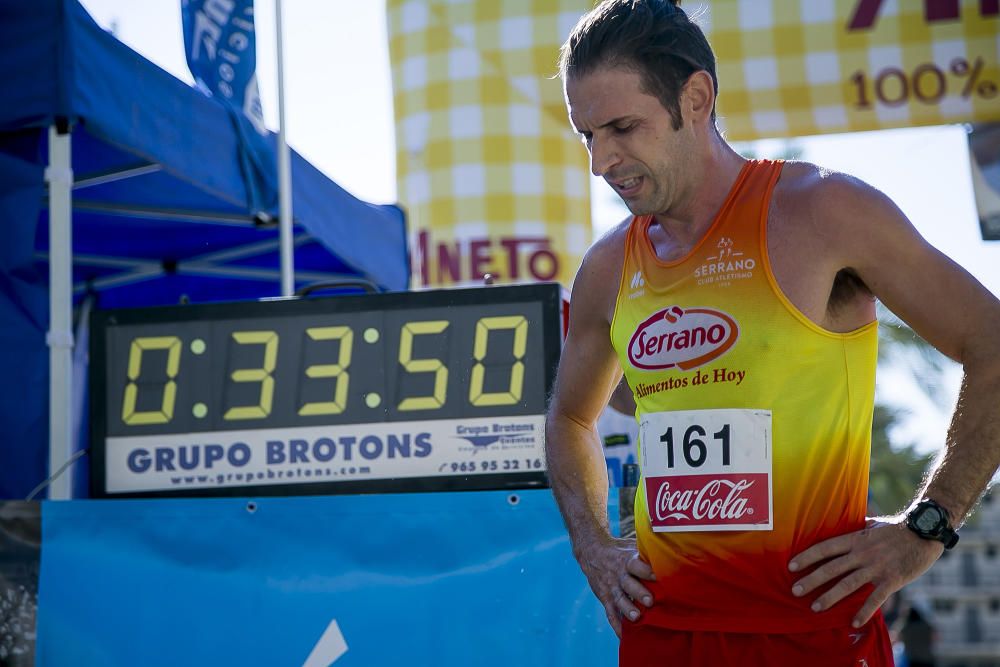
[{"x": 740, "y": 303}]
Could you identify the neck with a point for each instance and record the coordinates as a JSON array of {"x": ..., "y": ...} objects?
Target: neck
[{"x": 710, "y": 179}]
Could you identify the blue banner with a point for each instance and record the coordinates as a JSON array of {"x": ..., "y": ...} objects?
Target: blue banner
[
  {"x": 483, "y": 578},
  {"x": 220, "y": 44},
  {"x": 221, "y": 49}
]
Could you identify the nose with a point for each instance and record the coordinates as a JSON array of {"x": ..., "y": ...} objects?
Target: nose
[{"x": 603, "y": 155}]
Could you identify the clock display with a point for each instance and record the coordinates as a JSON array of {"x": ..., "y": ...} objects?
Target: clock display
[{"x": 408, "y": 391}]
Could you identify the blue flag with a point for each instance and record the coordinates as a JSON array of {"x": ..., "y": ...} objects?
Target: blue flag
[{"x": 220, "y": 45}]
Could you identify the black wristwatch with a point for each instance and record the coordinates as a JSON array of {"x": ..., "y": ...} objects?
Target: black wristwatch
[{"x": 930, "y": 521}]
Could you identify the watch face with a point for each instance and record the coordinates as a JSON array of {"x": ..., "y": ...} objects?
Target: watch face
[{"x": 928, "y": 519}]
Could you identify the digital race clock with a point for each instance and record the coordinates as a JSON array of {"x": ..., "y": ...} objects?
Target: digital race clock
[{"x": 414, "y": 391}]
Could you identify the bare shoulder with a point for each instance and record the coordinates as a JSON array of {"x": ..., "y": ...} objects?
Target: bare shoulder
[
  {"x": 822, "y": 195},
  {"x": 828, "y": 233},
  {"x": 835, "y": 210},
  {"x": 828, "y": 224},
  {"x": 611, "y": 245},
  {"x": 596, "y": 284},
  {"x": 806, "y": 192}
]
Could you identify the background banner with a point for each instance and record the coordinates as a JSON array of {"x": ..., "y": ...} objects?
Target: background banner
[
  {"x": 495, "y": 181},
  {"x": 474, "y": 578},
  {"x": 984, "y": 156},
  {"x": 220, "y": 45},
  {"x": 490, "y": 173},
  {"x": 793, "y": 68}
]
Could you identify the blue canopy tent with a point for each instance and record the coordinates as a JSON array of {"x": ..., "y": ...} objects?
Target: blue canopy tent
[{"x": 122, "y": 183}]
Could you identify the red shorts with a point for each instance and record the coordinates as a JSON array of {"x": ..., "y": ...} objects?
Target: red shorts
[{"x": 647, "y": 646}]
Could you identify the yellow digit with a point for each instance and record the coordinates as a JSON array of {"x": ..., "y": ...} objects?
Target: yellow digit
[
  {"x": 269, "y": 339},
  {"x": 338, "y": 370},
  {"x": 409, "y": 330},
  {"x": 172, "y": 344},
  {"x": 483, "y": 328}
]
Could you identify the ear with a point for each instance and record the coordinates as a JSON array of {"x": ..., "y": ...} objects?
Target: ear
[{"x": 698, "y": 97}]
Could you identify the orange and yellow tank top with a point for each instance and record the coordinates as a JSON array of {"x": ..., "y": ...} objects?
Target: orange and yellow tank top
[{"x": 755, "y": 424}]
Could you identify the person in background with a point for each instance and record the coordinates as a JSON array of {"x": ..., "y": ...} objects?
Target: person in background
[
  {"x": 619, "y": 433},
  {"x": 916, "y": 633}
]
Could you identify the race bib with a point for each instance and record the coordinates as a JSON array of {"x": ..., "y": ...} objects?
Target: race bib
[{"x": 707, "y": 469}]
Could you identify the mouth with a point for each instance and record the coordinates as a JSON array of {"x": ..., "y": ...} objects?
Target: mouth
[{"x": 627, "y": 187}]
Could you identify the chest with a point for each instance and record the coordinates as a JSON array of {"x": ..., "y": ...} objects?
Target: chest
[{"x": 799, "y": 262}]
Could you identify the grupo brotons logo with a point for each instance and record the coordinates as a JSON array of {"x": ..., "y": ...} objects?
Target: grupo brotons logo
[
  {"x": 682, "y": 338},
  {"x": 503, "y": 435}
]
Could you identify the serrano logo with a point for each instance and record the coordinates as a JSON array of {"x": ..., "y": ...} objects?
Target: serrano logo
[{"x": 682, "y": 338}]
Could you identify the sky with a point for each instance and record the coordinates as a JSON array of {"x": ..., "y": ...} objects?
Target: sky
[{"x": 338, "y": 103}]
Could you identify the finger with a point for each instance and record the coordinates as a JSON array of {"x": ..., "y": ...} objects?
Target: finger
[
  {"x": 871, "y": 605},
  {"x": 824, "y": 574},
  {"x": 636, "y": 590},
  {"x": 625, "y": 605},
  {"x": 836, "y": 546},
  {"x": 637, "y": 567},
  {"x": 614, "y": 618},
  {"x": 844, "y": 587}
]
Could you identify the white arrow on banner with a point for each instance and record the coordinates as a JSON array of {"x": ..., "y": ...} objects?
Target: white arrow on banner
[{"x": 328, "y": 649}]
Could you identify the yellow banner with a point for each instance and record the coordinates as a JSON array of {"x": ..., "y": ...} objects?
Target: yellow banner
[
  {"x": 490, "y": 173},
  {"x": 495, "y": 182},
  {"x": 803, "y": 67}
]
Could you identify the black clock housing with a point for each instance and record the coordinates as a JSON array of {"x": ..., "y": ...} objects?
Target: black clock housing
[{"x": 171, "y": 382}]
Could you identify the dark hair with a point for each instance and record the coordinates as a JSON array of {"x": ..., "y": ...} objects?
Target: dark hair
[{"x": 654, "y": 38}]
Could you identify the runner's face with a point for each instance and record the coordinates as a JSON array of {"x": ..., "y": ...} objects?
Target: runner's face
[{"x": 631, "y": 140}]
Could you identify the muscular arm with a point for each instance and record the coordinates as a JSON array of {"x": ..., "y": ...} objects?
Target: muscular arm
[
  {"x": 588, "y": 373},
  {"x": 967, "y": 333},
  {"x": 950, "y": 309}
]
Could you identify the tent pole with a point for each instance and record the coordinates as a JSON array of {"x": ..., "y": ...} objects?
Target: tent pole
[
  {"x": 59, "y": 176},
  {"x": 284, "y": 173}
]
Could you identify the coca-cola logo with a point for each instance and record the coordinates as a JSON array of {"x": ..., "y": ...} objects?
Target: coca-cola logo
[
  {"x": 718, "y": 499},
  {"x": 722, "y": 501},
  {"x": 682, "y": 338}
]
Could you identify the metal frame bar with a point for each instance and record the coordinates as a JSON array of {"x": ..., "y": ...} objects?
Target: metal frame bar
[{"x": 59, "y": 176}]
